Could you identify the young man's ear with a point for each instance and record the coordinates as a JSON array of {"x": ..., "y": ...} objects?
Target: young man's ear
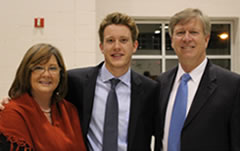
[{"x": 101, "y": 47}]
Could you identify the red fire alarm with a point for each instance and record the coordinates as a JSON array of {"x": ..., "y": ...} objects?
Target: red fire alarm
[{"x": 39, "y": 22}]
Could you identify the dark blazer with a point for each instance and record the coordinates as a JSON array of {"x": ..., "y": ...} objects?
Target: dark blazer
[
  {"x": 213, "y": 122},
  {"x": 81, "y": 91}
]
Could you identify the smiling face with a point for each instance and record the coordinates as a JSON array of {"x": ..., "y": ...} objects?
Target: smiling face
[
  {"x": 190, "y": 42},
  {"x": 117, "y": 48},
  {"x": 45, "y": 77}
]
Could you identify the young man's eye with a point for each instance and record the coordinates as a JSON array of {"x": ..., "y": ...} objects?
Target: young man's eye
[
  {"x": 109, "y": 40},
  {"x": 124, "y": 40}
]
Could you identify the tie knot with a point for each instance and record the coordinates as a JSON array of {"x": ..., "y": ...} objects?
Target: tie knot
[
  {"x": 186, "y": 77},
  {"x": 114, "y": 82}
]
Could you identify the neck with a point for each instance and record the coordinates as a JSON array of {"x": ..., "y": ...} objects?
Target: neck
[
  {"x": 117, "y": 72},
  {"x": 188, "y": 66},
  {"x": 44, "y": 101}
]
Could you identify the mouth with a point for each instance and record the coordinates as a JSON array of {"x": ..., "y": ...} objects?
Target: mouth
[
  {"x": 187, "y": 47},
  {"x": 117, "y": 55},
  {"x": 46, "y": 83}
]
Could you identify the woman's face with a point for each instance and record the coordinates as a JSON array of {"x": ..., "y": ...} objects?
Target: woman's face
[{"x": 45, "y": 77}]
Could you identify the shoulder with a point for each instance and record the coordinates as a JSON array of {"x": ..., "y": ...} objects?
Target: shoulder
[
  {"x": 167, "y": 74},
  {"x": 222, "y": 70},
  {"x": 80, "y": 71},
  {"x": 222, "y": 73},
  {"x": 77, "y": 76},
  {"x": 84, "y": 71},
  {"x": 13, "y": 107},
  {"x": 141, "y": 79}
]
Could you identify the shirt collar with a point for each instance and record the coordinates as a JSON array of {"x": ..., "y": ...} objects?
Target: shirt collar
[
  {"x": 195, "y": 73},
  {"x": 105, "y": 75}
]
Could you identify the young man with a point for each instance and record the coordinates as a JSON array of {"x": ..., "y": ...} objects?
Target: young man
[
  {"x": 208, "y": 118},
  {"x": 88, "y": 89}
]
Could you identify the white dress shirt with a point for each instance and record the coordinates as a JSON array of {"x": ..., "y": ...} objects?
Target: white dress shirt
[
  {"x": 193, "y": 83},
  {"x": 123, "y": 90}
]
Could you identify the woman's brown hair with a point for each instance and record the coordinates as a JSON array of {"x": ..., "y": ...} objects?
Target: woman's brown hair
[{"x": 35, "y": 55}]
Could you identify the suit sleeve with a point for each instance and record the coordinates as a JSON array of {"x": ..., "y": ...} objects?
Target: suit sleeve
[
  {"x": 235, "y": 123},
  {"x": 75, "y": 90}
]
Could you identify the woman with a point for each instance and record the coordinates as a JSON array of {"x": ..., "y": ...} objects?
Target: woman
[{"x": 39, "y": 118}]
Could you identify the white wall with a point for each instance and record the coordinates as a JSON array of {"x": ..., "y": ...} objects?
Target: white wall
[{"x": 71, "y": 25}]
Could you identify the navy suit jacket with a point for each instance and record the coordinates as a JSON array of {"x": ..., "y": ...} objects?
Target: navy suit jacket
[
  {"x": 213, "y": 121},
  {"x": 81, "y": 91}
]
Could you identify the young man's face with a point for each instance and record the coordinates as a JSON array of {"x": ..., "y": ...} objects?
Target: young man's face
[{"x": 118, "y": 47}]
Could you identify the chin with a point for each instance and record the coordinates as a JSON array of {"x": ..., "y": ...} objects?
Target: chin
[
  {"x": 46, "y": 91},
  {"x": 119, "y": 65}
]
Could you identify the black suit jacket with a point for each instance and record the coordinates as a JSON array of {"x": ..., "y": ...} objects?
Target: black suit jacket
[
  {"x": 213, "y": 122},
  {"x": 81, "y": 91}
]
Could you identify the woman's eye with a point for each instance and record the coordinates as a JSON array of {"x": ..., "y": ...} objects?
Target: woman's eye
[
  {"x": 38, "y": 68},
  {"x": 52, "y": 68}
]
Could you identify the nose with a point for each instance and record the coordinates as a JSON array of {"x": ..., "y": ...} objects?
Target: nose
[
  {"x": 117, "y": 45},
  {"x": 46, "y": 72},
  {"x": 187, "y": 37}
]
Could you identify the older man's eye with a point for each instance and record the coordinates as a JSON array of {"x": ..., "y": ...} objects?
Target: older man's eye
[
  {"x": 180, "y": 33},
  {"x": 193, "y": 32}
]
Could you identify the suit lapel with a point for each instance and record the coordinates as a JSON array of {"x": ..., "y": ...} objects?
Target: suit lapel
[
  {"x": 205, "y": 90},
  {"x": 135, "y": 106},
  {"x": 166, "y": 84},
  {"x": 88, "y": 96}
]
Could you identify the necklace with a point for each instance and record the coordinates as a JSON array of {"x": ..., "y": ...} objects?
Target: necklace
[{"x": 46, "y": 110}]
